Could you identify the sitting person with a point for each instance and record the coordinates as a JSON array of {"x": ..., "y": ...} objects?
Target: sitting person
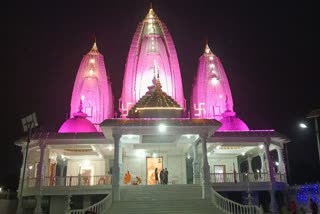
[{"x": 138, "y": 180}]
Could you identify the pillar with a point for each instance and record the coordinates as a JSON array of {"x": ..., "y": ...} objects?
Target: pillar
[
  {"x": 273, "y": 202},
  {"x": 21, "y": 182},
  {"x": 195, "y": 164},
  {"x": 40, "y": 173},
  {"x": 249, "y": 164},
  {"x": 282, "y": 168},
  {"x": 263, "y": 165},
  {"x": 206, "y": 185},
  {"x": 270, "y": 166},
  {"x": 121, "y": 163},
  {"x": 116, "y": 169}
]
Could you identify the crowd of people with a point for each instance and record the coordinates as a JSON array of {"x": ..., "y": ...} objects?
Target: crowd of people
[{"x": 163, "y": 175}]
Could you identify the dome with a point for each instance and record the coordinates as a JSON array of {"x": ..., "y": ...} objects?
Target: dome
[
  {"x": 232, "y": 123},
  {"x": 77, "y": 124}
]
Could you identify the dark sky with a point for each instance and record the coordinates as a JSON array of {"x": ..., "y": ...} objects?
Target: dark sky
[{"x": 266, "y": 48}]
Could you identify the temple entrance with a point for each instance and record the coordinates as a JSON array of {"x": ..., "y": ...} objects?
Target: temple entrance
[
  {"x": 86, "y": 175},
  {"x": 152, "y": 164},
  {"x": 219, "y": 173}
]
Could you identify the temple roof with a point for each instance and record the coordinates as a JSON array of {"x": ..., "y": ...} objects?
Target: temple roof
[
  {"x": 155, "y": 99},
  {"x": 156, "y": 122}
]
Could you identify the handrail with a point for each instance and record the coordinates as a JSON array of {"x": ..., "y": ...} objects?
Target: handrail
[
  {"x": 98, "y": 208},
  {"x": 245, "y": 177},
  {"x": 231, "y": 207},
  {"x": 67, "y": 181}
]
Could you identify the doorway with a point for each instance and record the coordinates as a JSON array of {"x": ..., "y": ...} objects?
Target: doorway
[
  {"x": 152, "y": 164},
  {"x": 219, "y": 173},
  {"x": 86, "y": 176}
]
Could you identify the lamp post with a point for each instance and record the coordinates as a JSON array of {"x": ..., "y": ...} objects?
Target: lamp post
[
  {"x": 315, "y": 114},
  {"x": 28, "y": 123}
]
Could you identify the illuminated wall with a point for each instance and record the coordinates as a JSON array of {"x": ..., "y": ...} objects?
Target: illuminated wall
[
  {"x": 93, "y": 85},
  {"x": 152, "y": 46},
  {"x": 211, "y": 94}
]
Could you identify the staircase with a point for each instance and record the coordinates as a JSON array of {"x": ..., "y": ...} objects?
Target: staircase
[{"x": 162, "y": 199}]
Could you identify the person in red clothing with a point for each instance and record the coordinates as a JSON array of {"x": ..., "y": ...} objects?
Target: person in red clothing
[{"x": 293, "y": 207}]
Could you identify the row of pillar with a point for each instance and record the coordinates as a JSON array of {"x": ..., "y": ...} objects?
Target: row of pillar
[
  {"x": 40, "y": 173},
  {"x": 198, "y": 173},
  {"x": 205, "y": 170}
]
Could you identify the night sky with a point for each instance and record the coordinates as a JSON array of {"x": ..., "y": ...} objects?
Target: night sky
[{"x": 266, "y": 48}]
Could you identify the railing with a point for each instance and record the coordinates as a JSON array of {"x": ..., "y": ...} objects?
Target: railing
[
  {"x": 280, "y": 177},
  {"x": 98, "y": 208},
  {"x": 231, "y": 207},
  {"x": 245, "y": 177},
  {"x": 68, "y": 181}
]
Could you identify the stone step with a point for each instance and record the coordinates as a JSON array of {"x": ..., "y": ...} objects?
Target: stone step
[
  {"x": 160, "y": 192},
  {"x": 198, "y": 206}
]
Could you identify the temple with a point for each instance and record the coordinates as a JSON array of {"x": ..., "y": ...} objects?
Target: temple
[{"x": 106, "y": 164}]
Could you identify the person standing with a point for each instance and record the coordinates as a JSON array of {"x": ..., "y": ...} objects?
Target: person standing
[
  {"x": 165, "y": 176},
  {"x": 313, "y": 206},
  {"x": 156, "y": 175},
  {"x": 161, "y": 176},
  {"x": 293, "y": 207}
]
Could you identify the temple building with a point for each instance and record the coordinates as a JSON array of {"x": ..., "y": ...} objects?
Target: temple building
[{"x": 106, "y": 164}]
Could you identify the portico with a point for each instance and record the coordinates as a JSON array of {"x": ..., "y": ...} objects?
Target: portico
[{"x": 149, "y": 135}]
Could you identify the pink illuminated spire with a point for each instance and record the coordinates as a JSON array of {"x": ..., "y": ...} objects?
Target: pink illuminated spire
[
  {"x": 94, "y": 88},
  {"x": 211, "y": 88},
  {"x": 151, "y": 45}
]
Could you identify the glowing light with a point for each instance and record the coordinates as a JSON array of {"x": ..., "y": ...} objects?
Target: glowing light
[
  {"x": 303, "y": 125},
  {"x": 162, "y": 128},
  {"x": 130, "y": 136},
  {"x": 212, "y": 65},
  {"x": 152, "y": 38},
  {"x": 220, "y": 96},
  {"x": 154, "y": 155},
  {"x": 91, "y": 72},
  {"x": 214, "y": 80},
  {"x": 161, "y": 108},
  {"x": 93, "y": 148},
  {"x": 277, "y": 163},
  {"x": 85, "y": 163},
  {"x": 218, "y": 147},
  {"x": 243, "y": 154},
  {"x": 258, "y": 170},
  {"x": 82, "y": 97},
  {"x": 110, "y": 147},
  {"x": 30, "y": 167},
  {"x": 211, "y": 58},
  {"x": 92, "y": 61},
  {"x": 188, "y": 156},
  {"x": 261, "y": 146},
  {"x": 140, "y": 153}
]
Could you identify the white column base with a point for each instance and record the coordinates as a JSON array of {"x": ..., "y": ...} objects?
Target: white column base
[{"x": 38, "y": 209}]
